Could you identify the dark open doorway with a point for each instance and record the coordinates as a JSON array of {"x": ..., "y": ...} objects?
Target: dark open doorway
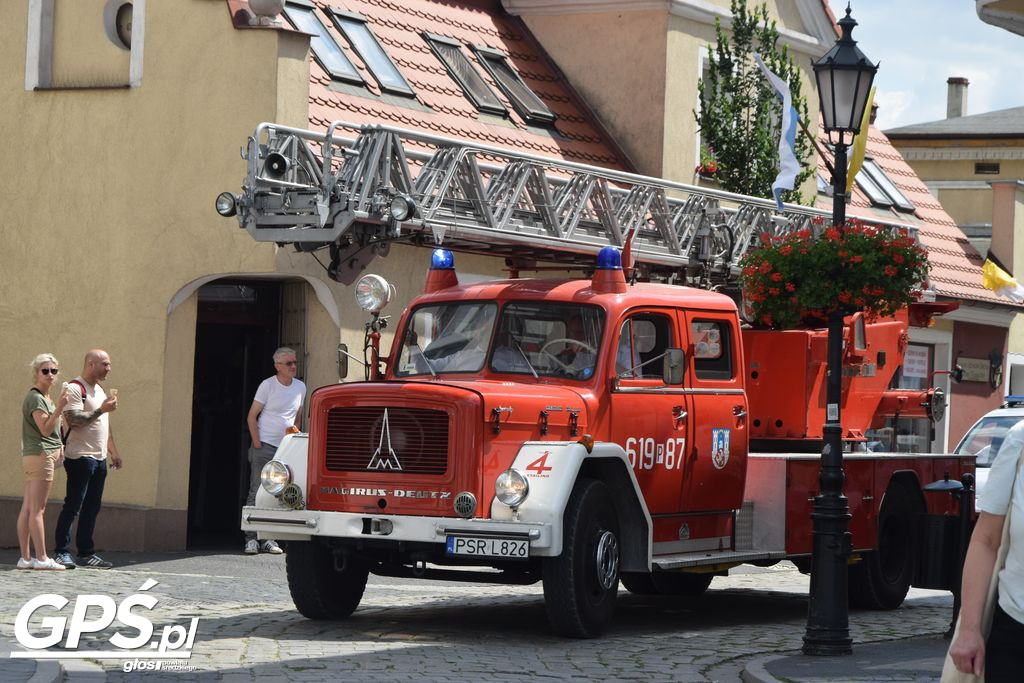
[{"x": 237, "y": 329}]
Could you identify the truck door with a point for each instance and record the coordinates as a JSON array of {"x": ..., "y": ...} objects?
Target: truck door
[
  {"x": 647, "y": 417},
  {"x": 714, "y": 472}
]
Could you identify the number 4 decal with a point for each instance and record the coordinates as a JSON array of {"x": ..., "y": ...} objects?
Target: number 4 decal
[{"x": 540, "y": 465}]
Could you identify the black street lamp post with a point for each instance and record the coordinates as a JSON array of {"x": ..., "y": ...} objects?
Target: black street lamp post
[{"x": 844, "y": 78}]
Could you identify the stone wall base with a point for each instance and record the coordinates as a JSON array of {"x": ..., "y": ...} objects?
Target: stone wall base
[{"x": 119, "y": 527}]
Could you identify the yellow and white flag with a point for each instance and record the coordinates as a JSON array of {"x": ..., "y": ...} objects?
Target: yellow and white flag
[
  {"x": 860, "y": 142},
  {"x": 1001, "y": 282}
]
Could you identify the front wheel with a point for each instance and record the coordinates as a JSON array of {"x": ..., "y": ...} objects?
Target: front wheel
[
  {"x": 319, "y": 590},
  {"x": 581, "y": 584}
]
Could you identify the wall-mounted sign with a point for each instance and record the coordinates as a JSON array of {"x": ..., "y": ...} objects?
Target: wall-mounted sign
[
  {"x": 975, "y": 369},
  {"x": 915, "y": 361}
]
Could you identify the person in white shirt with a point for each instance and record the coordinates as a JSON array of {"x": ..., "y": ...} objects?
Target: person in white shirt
[
  {"x": 1000, "y": 657},
  {"x": 276, "y": 408}
]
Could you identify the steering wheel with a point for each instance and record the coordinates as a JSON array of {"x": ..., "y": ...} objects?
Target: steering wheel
[
  {"x": 567, "y": 341},
  {"x": 566, "y": 368}
]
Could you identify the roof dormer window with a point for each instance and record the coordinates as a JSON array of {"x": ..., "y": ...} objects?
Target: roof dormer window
[
  {"x": 472, "y": 83},
  {"x": 365, "y": 44},
  {"x": 326, "y": 51},
  {"x": 525, "y": 101},
  {"x": 886, "y": 185}
]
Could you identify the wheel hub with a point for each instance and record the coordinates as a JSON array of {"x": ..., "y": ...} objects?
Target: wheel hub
[{"x": 607, "y": 557}]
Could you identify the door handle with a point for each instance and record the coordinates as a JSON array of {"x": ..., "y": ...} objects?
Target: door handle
[
  {"x": 738, "y": 411},
  {"x": 678, "y": 414}
]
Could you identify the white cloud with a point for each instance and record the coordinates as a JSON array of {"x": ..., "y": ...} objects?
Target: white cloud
[{"x": 922, "y": 43}]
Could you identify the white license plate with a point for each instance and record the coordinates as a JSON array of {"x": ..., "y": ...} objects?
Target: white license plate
[{"x": 488, "y": 547}]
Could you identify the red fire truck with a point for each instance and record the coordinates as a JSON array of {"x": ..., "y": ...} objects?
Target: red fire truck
[{"x": 580, "y": 433}]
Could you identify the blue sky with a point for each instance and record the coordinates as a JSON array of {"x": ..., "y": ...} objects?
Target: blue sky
[{"x": 921, "y": 43}]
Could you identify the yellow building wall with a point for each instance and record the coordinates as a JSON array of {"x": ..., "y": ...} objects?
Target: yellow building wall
[
  {"x": 616, "y": 61},
  {"x": 84, "y": 56},
  {"x": 110, "y": 213}
]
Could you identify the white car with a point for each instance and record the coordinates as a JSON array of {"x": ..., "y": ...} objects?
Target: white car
[{"x": 986, "y": 436}]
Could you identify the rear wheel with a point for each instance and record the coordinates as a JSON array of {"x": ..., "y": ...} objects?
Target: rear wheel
[
  {"x": 881, "y": 580},
  {"x": 581, "y": 584},
  {"x": 318, "y": 589}
]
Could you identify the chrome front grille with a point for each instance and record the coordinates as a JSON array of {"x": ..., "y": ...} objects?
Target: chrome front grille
[{"x": 385, "y": 439}]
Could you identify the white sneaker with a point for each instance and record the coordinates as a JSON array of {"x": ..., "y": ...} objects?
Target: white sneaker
[
  {"x": 25, "y": 564},
  {"x": 251, "y": 547},
  {"x": 49, "y": 564},
  {"x": 270, "y": 547}
]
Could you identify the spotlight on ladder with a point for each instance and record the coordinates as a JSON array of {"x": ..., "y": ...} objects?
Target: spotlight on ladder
[{"x": 227, "y": 204}]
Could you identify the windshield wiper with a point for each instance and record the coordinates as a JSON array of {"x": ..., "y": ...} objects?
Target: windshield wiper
[
  {"x": 523, "y": 354},
  {"x": 424, "y": 357}
]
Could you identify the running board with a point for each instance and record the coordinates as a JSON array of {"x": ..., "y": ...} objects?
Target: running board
[{"x": 703, "y": 558}]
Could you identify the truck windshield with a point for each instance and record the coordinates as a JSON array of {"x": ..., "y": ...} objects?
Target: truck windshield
[
  {"x": 533, "y": 338},
  {"x": 446, "y": 338},
  {"x": 538, "y": 338},
  {"x": 986, "y": 437}
]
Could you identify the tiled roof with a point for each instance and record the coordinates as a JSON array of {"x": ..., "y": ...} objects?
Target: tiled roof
[
  {"x": 955, "y": 264},
  {"x": 441, "y": 107},
  {"x": 1002, "y": 123}
]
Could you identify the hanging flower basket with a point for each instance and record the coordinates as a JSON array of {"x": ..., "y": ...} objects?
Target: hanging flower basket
[{"x": 809, "y": 274}]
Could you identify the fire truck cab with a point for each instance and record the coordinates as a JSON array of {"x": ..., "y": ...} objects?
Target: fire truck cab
[{"x": 583, "y": 433}]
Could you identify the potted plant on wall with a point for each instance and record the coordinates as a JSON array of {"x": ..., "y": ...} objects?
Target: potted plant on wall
[{"x": 805, "y": 276}]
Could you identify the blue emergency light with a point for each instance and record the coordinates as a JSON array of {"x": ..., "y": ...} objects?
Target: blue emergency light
[
  {"x": 609, "y": 258},
  {"x": 442, "y": 259}
]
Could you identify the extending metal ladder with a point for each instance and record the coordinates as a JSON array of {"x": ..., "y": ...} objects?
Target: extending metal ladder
[{"x": 356, "y": 189}]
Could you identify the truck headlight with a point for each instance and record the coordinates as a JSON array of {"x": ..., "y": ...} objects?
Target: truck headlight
[
  {"x": 372, "y": 293},
  {"x": 511, "y": 488},
  {"x": 275, "y": 476}
]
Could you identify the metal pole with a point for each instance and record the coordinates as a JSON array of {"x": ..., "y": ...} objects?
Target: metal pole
[{"x": 828, "y": 627}]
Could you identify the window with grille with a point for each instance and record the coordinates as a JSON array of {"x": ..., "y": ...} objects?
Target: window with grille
[
  {"x": 465, "y": 74},
  {"x": 525, "y": 101}
]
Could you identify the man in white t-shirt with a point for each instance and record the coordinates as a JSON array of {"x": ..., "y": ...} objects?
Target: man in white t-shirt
[
  {"x": 276, "y": 408},
  {"x": 89, "y": 443}
]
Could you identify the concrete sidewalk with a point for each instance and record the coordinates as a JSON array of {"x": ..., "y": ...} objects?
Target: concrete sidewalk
[{"x": 911, "y": 659}]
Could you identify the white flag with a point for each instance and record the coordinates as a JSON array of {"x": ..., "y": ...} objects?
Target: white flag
[{"x": 789, "y": 166}]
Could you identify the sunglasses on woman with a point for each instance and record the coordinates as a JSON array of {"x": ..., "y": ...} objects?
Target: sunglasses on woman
[{"x": 49, "y": 371}]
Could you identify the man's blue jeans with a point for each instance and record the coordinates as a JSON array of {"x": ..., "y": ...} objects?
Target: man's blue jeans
[{"x": 86, "y": 477}]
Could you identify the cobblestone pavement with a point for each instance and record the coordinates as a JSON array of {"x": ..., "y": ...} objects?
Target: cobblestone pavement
[{"x": 405, "y": 630}]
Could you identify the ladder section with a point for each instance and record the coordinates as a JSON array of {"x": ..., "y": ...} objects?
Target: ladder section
[{"x": 356, "y": 189}]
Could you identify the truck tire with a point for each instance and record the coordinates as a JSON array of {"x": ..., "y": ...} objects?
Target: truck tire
[
  {"x": 581, "y": 584},
  {"x": 318, "y": 590},
  {"x": 881, "y": 580},
  {"x": 667, "y": 583}
]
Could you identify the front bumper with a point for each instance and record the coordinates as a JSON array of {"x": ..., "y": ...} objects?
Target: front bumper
[{"x": 302, "y": 525}]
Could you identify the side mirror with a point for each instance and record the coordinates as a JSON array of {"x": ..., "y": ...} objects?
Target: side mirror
[
  {"x": 342, "y": 361},
  {"x": 673, "y": 367}
]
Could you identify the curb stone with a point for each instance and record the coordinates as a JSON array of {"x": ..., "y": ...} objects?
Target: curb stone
[
  {"x": 47, "y": 671},
  {"x": 755, "y": 671}
]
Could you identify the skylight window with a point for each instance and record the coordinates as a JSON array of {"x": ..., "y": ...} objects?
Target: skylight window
[
  {"x": 472, "y": 83},
  {"x": 526, "y": 102},
  {"x": 362, "y": 40},
  {"x": 325, "y": 50},
  {"x": 875, "y": 172},
  {"x": 877, "y": 196}
]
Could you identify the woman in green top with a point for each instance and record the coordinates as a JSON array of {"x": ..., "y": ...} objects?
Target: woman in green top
[{"x": 41, "y": 452}]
